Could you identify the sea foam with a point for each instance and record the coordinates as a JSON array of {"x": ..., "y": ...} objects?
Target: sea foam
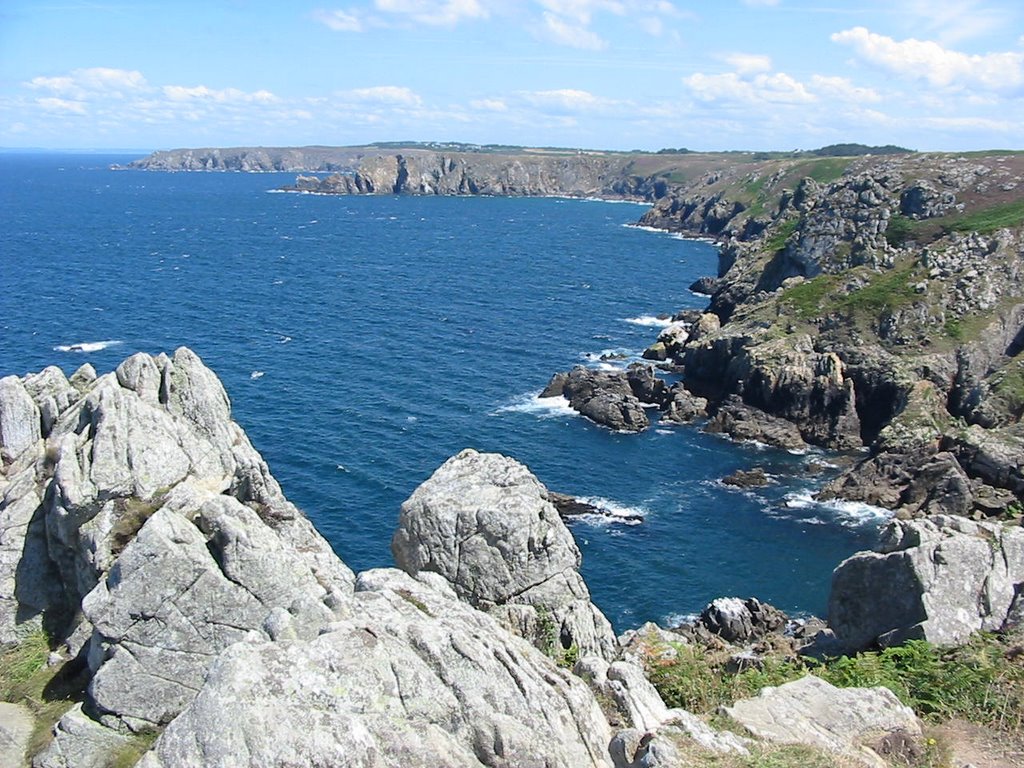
[{"x": 87, "y": 346}]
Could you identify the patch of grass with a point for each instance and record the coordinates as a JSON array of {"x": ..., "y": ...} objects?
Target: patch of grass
[
  {"x": 697, "y": 681},
  {"x": 954, "y": 329},
  {"x": 1008, "y": 386},
  {"x": 777, "y": 240},
  {"x": 979, "y": 681},
  {"x": 131, "y": 752},
  {"x": 825, "y": 171},
  {"x": 987, "y": 220},
  {"x": 808, "y": 298},
  {"x": 899, "y": 230},
  {"x": 48, "y": 692},
  {"x": 885, "y": 292},
  {"x": 982, "y": 681}
]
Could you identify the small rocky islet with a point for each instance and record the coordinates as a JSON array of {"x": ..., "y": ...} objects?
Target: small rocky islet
[{"x": 206, "y": 622}]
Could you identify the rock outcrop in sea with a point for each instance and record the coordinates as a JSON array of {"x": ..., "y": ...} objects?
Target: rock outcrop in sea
[{"x": 142, "y": 531}]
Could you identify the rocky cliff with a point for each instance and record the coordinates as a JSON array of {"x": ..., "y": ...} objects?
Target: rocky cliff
[
  {"x": 875, "y": 302},
  {"x": 195, "y": 617}
]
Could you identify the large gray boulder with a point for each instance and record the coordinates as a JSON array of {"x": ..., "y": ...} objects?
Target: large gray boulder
[
  {"x": 938, "y": 579},
  {"x": 414, "y": 679},
  {"x": 140, "y": 526},
  {"x": 16, "y": 725},
  {"x": 485, "y": 523},
  {"x": 855, "y": 723}
]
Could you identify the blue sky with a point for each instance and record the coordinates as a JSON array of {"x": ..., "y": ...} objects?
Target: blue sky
[{"x": 615, "y": 74}]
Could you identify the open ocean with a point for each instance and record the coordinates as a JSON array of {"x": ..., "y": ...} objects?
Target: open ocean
[{"x": 364, "y": 340}]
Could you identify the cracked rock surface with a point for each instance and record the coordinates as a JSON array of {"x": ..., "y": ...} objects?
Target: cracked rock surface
[{"x": 484, "y": 522}]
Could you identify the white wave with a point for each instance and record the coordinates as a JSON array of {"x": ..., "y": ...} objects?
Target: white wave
[
  {"x": 672, "y": 620},
  {"x": 611, "y": 512},
  {"x": 645, "y": 228},
  {"x": 87, "y": 346},
  {"x": 846, "y": 513},
  {"x": 256, "y": 375},
  {"x": 542, "y": 407},
  {"x": 649, "y": 321}
]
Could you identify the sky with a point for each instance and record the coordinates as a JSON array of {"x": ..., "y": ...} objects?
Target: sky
[{"x": 600, "y": 74}]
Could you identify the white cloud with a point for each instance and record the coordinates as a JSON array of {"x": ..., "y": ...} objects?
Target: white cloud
[
  {"x": 386, "y": 94},
  {"x": 761, "y": 3},
  {"x": 748, "y": 63},
  {"x": 434, "y": 12},
  {"x": 338, "y": 20},
  {"x": 181, "y": 93},
  {"x": 762, "y": 88},
  {"x": 940, "y": 67},
  {"x": 563, "y": 32},
  {"x": 489, "y": 105},
  {"x": 80, "y": 83},
  {"x": 53, "y": 104}
]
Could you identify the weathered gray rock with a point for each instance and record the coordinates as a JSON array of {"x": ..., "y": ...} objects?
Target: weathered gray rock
[
  {"x": 939, "y": 579},
  {"x": 16, "y": 723},
  {"x": 414, "y": 679},
  {"x": 852, "y": 722},
  {"x": 485, "y": 523},
  {"x": 149, "y": 510},
  {"x": 80, "y": 742},
  {"x": 19, "y": 420}
]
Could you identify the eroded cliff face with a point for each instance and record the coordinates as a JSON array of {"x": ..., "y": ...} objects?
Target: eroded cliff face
[
  {"x": 876, "y": 302},
  {"x": 432, "y": 173}
]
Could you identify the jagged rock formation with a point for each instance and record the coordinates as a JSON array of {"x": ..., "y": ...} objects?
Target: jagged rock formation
[
  {"x": 487, "y": 526},
  {"x": 869, "y": 302},
  {"x": 859, "y": 724},
  {"x": 938, "y": 579},
  {"x": 143, "y": 530}
]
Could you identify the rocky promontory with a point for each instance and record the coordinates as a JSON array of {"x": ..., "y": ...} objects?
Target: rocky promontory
[
  {"x": 195, "y": 617},
  {"x": 864, "y": 303}
]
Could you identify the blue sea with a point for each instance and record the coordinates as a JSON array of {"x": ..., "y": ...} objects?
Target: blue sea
[{"x": 364, "y": 340}]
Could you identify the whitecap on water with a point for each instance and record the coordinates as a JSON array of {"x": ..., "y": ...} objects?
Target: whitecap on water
[
  {"x": 256, "y": 375},
  {"x": 611, "y": 512},
  {"x": 541, "y": 407},
  {"x": 87, "y": 346},
  {"x": 850, "y": 514},
  {"x": 649, "y": 321}
]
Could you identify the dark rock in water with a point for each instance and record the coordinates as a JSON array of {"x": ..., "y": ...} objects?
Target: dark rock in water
[
  {"x": 570, "y": 506},
  {"x": 740, "y": 621},
  {"x": 657, "y": 351},
  {"x": 704, "y": 285},
  {"x": 682, "y": 406},
  {"x": 604, "y": 397},
  {"x": 556, "y": 387},
  {"x": 744, "y": 422},
  {"x": 645, "y": 385},
  {"x": 747, "y": 478}
]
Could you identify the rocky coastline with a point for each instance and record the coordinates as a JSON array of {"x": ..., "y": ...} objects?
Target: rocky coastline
[
  {"x": 192, "y": 615},
  {"x": 196, "y": 617}
]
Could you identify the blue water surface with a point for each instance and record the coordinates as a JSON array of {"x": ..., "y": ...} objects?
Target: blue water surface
[{"x": 363, "y": 340}]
